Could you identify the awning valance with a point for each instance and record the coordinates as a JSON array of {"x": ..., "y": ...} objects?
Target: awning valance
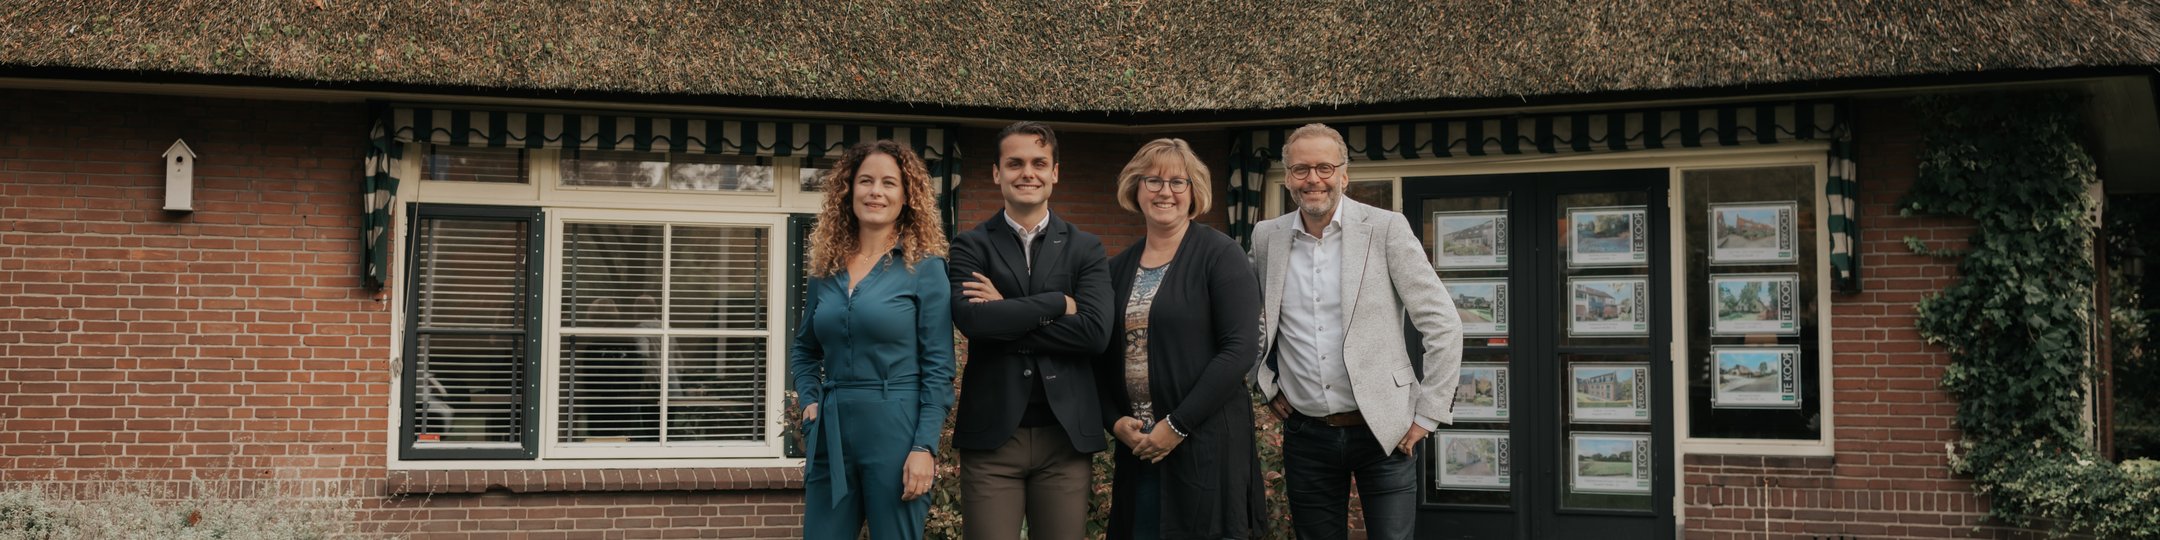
[
  {"x": 1708, "y": 126},
  {"x": 472, "y": 127}
]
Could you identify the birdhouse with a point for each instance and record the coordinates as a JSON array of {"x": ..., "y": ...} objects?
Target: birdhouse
[{"x": 180, "y": 177}]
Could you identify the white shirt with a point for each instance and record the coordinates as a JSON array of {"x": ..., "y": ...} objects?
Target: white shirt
[
  {"x": 1027, "y": 237},
  {"x": 1315, "y": 378}
]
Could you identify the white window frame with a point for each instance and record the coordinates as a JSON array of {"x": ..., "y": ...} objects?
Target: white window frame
[
  {"x": 774, "y": 332},
  {"x": 769, "y": 210}
]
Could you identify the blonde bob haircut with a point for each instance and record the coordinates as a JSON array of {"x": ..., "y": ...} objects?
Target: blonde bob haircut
[{"x": 1128, "y": 185}]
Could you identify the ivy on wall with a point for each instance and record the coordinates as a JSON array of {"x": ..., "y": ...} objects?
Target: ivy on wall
[{"x": 2018, "y": 323}]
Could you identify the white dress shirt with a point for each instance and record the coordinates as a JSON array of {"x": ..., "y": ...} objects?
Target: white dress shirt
[
  {"x": 1315, "y": 377},
  {"x": 1027, "y": 237}
]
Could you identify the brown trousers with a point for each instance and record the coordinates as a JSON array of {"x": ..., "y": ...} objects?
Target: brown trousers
[{"x": 1037, "y": 476}]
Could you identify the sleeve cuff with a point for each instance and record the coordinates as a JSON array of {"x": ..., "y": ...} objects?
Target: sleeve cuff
[{"x": 1429, "y": 423}]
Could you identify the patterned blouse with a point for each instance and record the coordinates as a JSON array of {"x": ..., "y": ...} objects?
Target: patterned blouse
[{"x": 1136, "y": 341}]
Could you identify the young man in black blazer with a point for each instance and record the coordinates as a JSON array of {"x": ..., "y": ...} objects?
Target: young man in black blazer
[{"x": 1032, "y": 294}]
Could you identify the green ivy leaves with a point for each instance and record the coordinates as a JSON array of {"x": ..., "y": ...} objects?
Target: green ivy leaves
[{"x": 2017, "y": 324}]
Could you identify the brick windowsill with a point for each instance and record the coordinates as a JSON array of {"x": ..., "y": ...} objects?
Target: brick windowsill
[{"x": 575, "y": 480}]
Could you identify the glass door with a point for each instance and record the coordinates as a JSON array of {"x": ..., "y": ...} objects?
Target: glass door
[{"x": 1562, "y": 421}]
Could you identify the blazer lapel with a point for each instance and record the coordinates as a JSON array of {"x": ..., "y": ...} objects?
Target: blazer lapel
[
  {"x": 1356, "y": 241},
  {"x": 1006, "y": 243},
  {"x": 1278, "y": 269}
]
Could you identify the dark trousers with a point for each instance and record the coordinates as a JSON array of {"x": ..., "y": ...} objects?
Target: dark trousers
[{"x": 1318, "y": 462}]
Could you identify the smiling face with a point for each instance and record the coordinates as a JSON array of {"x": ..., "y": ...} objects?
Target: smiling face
[
  {"x": 1316, "y": 197},
  {"x": 878, "y": 192},
  {"x": 1025, "y": 171},
  {"x": 1166, "y": 208}
]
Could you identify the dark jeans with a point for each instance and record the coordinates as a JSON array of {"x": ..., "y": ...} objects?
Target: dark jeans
[{"x": 1318, "y": 463}]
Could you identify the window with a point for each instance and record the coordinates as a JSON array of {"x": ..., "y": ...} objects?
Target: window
[
  {"x": 663, "y": 334},
  {"x": 470, "y": 339},
  {"x": 639, "y": 311},
  {"x": 669, "y": 171},
  {"x": 1753, "y": 306},
  {"x": 484, "y": 165}
]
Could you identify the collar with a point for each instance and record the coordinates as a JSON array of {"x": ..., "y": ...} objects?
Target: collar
[
  {"x": 1334, "y": 224},
  {"x": 1030, "y": 231}
]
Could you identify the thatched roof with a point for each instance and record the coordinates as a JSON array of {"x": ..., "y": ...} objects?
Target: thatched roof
[{"x": 1054, "y": 55}]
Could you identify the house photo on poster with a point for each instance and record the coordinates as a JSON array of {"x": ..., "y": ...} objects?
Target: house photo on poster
[
  {"x": 1756, "y": 377},
  {"x": 1752, "y": 233},
  {"x": 1609, "y": 306},
  {"x": 1744, "y": 304},
  {"x": 1473, "y": 460},
  {"x": 1608, "y": 236},
  {"x": 1609, "y": 463},
  {"x": 1481, "y": 394},
  {"x": 1482, "y": 304},
  {"x": 1610, "y": 393},
  {"x": 1468, "y": 240}
]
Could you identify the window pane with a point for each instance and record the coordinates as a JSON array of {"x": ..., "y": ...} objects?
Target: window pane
[
  {"x": 470, "y": 274},
  {"x": 469, "y": 320},
  {"x": 811, "y": 176},
  {"x": 718, "y": 278},
  {"x": 716, "y": 389},
  {"x": 656, "y": 170},
  {"x": 610, "y": 389},
  {"x": 468, "y": 390},
  {"x": 1751, "y": 310},
  {"x": 461, "y": 164},
  {"x": 1376, "y": 193},
  {"x": 611, "y": 275}
]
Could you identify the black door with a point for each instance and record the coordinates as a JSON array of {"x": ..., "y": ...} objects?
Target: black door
[{"x": 1562, "y": 422}]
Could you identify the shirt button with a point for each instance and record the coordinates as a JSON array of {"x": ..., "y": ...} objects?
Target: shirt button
[{"x": 1027, "y": 373}]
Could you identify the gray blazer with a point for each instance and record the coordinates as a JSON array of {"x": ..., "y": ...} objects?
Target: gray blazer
[{"x": 1385, "y": 277}]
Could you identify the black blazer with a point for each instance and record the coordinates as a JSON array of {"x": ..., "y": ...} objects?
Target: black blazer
[
  {"x": 1029, "y": 327},
  {"x": 1203, "y": 331}
]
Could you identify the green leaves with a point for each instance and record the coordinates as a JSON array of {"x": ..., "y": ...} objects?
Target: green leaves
[{"x": 2017, "y": 323}]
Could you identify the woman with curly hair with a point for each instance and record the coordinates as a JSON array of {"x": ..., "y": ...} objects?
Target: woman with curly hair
[{"x": 873, "y": 359}]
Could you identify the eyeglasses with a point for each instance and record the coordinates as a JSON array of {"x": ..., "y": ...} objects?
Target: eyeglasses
[
  {"x": 1326, "y": 170},
  {"x": 1156, "y": 184}
]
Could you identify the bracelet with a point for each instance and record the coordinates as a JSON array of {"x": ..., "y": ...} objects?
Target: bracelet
[{"x": 1172, "y": 422}]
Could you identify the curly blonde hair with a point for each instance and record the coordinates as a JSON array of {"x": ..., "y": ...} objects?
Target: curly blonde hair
[{"x": 921, "y": 231}]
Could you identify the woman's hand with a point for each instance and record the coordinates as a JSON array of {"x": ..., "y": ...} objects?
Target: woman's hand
[
  {"x": 1160, "y": 441},
  {"x": 1127, "y": 430},
  {"x": 809, "y": 414},
  {"x": 916, "y": 475}
]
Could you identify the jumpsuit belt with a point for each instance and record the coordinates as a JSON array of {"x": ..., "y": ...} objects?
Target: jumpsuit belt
[{"x": 828, "y": 423}]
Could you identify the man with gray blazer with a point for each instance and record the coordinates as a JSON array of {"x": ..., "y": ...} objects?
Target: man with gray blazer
[{"x": 1339, "y": 278}]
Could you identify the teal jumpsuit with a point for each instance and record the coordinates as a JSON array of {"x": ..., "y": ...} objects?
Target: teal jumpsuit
[{"x": 879, "y": 365}]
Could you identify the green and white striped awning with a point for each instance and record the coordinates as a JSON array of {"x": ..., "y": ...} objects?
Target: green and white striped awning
[
  {"x": 397, "y": 125},
  {"x": 1706, "y": 126}
]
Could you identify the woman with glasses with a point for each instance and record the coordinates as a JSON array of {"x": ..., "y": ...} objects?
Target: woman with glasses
[
  {"x": 873, "y": 359},
  {"x": 1173, "y": 379}
]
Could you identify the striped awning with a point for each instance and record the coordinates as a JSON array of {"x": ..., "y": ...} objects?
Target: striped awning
[
  {"x": 1709, "y": 126},
  {"x": 397, "y": 125}
]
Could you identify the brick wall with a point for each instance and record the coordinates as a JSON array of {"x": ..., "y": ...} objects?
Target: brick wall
[
  {"x": 236, "y": 343},
  {"x": 1086, "y": 193},
  {"x": 1890, "y": 476}
]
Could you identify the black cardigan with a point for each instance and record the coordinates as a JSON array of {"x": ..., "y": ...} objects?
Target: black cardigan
[{"x": 1202, "y": 337}]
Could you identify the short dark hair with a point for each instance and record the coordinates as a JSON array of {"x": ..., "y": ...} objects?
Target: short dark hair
[{"x": 1025, "y": 127}]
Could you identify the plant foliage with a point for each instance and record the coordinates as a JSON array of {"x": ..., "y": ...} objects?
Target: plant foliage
[{"x": 2018, "y": 324}]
